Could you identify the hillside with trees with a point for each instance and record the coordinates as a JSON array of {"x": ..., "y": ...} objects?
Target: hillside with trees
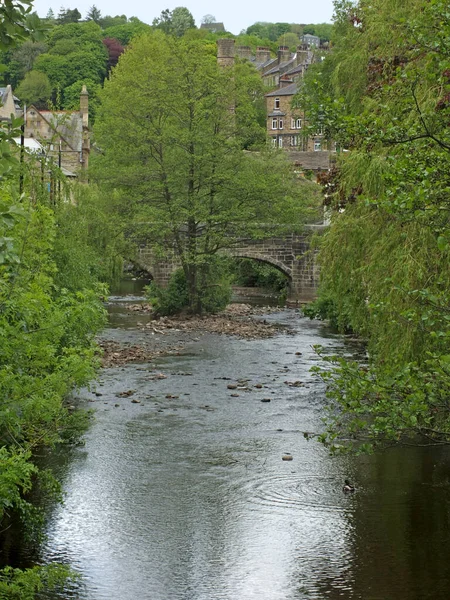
[{"x": 73, "y": 51}]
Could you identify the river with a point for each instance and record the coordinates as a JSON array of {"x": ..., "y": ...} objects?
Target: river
[{"x": 181, "y": 491}]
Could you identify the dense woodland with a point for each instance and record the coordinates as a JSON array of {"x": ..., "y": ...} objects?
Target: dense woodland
[{"x": 195, "y": 169}]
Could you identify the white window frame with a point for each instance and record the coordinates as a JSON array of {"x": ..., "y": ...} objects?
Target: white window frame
[
  {"x": 280, "y": 141},
  {"x": 317, "y": 145},
  {"x": 274, "y": 123},
  {"x": 298, "y": 124},
  {"x": 280, "y": 124},
  {"x": 277, "y": 104}
]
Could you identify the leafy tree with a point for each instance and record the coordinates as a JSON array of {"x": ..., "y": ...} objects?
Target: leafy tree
[
  {"x": 174, "y": 157},
  {"x": 272, "y": 31},
  {"x": 385, "y": 258},
  {"x": 124, "y": 33},
  {"x": 323, "y": 30},
  {"x": 75, "y": 52},
  {"x": 108, "y": 21},
  {"x": 175, "y": 22},
  {"x": 208, "y": 19},
  {"x": 68, "y": 16},
  {"x": 289, "y": 39},
  {"x": 18, "y": 23},
  {"x": 22, "y": 60},
  {"x": 35, "y": 89},
  {"x": 115, "y": 49}
]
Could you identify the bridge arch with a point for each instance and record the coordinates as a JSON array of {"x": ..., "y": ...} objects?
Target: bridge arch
[{"x": 263, "y": 259}]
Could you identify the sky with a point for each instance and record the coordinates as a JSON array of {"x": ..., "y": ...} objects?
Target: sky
[{"x": 236, "y": 15}]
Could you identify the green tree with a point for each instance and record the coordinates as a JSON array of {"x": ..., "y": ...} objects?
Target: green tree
[
  {"x": 18, "y": 23},
  {"x": 175, "y": 22},
  {"x": 22, "y": 60},
  {"x": 94, "y": 14},
  {"x": 35, "y": 89},
  {"x": 385, "y": 275},
  {"x": 174, "y": 156},
  {"x": 126, "y": 31},
  {"x": 68, "y": 16},
  {"x": 291, "y": 40},
  {"x": 75, "y": 52}
]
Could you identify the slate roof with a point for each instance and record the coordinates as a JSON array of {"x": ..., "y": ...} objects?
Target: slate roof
[
  {"x": 288, "y": 90},
  {"x": 68, "y": 124}
]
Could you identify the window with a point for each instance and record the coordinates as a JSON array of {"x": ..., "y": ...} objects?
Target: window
[
  {"x": 294, "y": 140},
  {"x": 317, "y": 145},
  {"x": 274, "y": 141},
  {"x": 280, "y": 142},
  {"x": 292, "y": 123},
  {"x": 299, "y": 123},
  {"x": 280, "y": 125},
  {"x": 277, "y": 103},
  {"x": 274, "y": 123}
]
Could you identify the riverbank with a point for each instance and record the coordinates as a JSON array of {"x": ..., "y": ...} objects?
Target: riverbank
[{"x": 165, "y": 334}]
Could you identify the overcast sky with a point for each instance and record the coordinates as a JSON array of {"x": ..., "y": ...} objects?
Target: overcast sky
[{"x": 235, "y": 14}]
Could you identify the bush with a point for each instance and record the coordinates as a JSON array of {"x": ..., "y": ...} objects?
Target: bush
[{"x": 170, "y": 300}]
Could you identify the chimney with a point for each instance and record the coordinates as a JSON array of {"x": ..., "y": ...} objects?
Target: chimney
[
  {"x": 225, "y": 52},
  {"x": 301, "y": 58},
  {"x": 284, "y": 54},
  {"x": 262, "y": 54},
  {"x": 86, "y": 140},
  {"x": 285, "y": 81},
  {"x": 244, "y": 52}
]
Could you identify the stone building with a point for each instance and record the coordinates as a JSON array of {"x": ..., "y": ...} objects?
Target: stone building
[
  {"x": 285, "y": 125},
  {"x": 64, "y": 135},
  {"x": 286, "y": 129},
  {"x": 9, "y": 104}
]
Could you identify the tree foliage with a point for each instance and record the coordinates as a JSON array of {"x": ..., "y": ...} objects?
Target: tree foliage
[
  {"x": 35, "y": 89},
  {"x": 175, "y": 158},
  {"x": 384, "y": 94},
  {"x": 175, "y": 22}
]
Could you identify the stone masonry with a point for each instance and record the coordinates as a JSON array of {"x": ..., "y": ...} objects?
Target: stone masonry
[{"x": 291, "y": 254}]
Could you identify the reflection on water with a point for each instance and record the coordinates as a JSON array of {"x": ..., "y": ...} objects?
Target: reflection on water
[{"x": 184, "y": 494}]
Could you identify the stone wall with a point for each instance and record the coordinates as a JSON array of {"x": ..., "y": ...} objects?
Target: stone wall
[{"x": 291, "y": 254}]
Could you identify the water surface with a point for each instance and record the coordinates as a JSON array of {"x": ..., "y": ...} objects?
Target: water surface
[{"x": 185, "y": 494}]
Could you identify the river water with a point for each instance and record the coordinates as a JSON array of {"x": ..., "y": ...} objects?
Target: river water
[{"x": 185, "y": 495}]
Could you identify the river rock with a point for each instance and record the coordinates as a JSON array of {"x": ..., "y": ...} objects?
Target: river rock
[{"x": 287, "y": 457}]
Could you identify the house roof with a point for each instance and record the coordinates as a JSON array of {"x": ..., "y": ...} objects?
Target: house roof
[
  {"x": 277, "y": 67},
  {"x": 67, "y": 124},
  {"x": 213, "y": 27},
  {"x": 9, "y": 104},
  {"x": 288, "y": 90}
]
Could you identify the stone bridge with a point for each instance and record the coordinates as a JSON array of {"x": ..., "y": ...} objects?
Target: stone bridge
[{"x": 291, "y": 254}]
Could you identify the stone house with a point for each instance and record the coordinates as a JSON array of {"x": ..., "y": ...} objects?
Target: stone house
[
  {"x": 9, "y": 104},
  {"x": 64, "y": 135},
  {"x": 286, "y": 129},
  {"x": 285, "y": 126}
]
